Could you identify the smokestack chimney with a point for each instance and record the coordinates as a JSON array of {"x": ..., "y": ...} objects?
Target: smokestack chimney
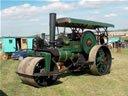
[{"x": 52, "y": 26}]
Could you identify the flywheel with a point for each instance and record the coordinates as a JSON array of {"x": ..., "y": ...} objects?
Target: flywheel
[{"x": 88, "y": 40}]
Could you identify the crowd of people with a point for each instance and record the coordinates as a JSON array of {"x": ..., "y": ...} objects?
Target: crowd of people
[{"x": 118, "y": 44}]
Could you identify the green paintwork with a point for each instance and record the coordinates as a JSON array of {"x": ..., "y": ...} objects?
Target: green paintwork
[
  {"x": 67, "y": 47},
  {"x": 88, "y": 36},
  {"x": 47, "y": 60},
  {"x": 91, "y": 22},
  {"x": 68, "y": 50},
  {"x": 71, "y": 22},
  {"x": 73, "y": 46},
  {"x": 64, "y": 55},
  {"x": 30, "y": 53},
  {"x": 76, "y": 46}
]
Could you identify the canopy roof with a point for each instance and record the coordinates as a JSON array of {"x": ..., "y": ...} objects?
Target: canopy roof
[{"x": 79, "y": 23}]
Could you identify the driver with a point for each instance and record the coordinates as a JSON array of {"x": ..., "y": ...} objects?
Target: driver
[{"x": 73, "y": 35}]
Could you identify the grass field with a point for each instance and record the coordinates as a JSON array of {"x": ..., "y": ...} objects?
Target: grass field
[{"x": 113, "y": 84}]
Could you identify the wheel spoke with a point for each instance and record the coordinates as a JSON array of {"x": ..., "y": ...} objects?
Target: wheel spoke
[
  {"x": 101, "y": 67},
  {"x": 42, "y": 80},
  {"x": 98, "y": 59},
  {"x": 101, "y": 61},
  {"x": 98, "y": 65},
  {"x": 101, "y": 53}
]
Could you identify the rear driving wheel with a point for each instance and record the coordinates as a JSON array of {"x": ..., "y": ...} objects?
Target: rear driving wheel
[{"x": 101, "y": 58}]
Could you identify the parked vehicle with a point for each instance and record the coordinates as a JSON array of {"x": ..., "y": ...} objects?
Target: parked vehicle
[{"x": 20, "y": 55}]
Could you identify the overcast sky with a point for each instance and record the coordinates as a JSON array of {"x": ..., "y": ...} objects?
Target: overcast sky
[{"x": 30, "y": 17}]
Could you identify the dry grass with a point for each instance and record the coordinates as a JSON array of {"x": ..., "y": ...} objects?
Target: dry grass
[{"x": 113, "y": 84}]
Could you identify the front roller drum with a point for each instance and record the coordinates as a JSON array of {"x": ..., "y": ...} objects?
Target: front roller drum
[
  {"x": 101, "y": 59},
  {"x": 34, "y": 65}
]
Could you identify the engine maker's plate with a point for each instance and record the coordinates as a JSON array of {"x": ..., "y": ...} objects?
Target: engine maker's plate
[{"x": 88, "y": 40}]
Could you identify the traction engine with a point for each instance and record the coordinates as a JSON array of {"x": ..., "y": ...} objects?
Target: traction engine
[{"x": 77, "y": 51}]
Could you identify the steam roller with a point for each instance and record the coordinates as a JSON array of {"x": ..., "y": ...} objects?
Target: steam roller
[{"x": 76, "y": 51}]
